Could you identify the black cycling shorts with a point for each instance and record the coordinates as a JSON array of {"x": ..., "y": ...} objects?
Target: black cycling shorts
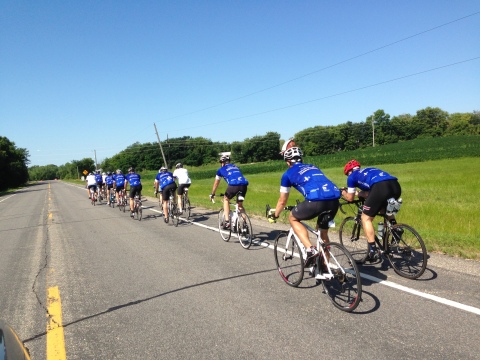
[
  {"x": 234, "y": 190},
  {"x": 135, "y": 190},
  {"x": 166, "y": 190},
  {"x": 181, "y": 188},
  {"x": 378, "y": 195},
  {"x": 308, "y": 210},
  {"x": 119, "y": 188}
]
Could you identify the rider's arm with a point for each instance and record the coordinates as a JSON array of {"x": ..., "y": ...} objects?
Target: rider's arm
[
  {"x": 281, "y": 203},
  {"x": 215, "y": 186}
]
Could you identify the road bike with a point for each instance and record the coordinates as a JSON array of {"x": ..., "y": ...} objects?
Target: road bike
[
  {"x": 137, "y": 207},
  {"x": 400, "y": 244},
  {"x": 172, "y": 210},
  {"x": 186, "y": 208},
  {"x": 122, "y": 200},
  {"x": 99, "y": 195},
  {"x": 333, "y": 267},
  {"x": 239, "y": 223}
]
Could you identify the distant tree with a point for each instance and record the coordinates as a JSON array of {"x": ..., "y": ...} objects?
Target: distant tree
[{"x": 431, "y": 121}]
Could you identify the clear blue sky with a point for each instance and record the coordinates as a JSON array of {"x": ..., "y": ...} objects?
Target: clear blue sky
[{"x": 79, "y": 76}]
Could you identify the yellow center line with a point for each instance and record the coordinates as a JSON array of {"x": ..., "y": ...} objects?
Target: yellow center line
[{"x": 55, "y": 335}]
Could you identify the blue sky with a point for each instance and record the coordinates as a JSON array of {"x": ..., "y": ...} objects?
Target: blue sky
[{"x": 84, "y": 76}]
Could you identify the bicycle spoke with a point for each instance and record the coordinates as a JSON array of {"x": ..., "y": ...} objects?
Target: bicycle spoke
[
  {"x": 352, "y": 237},
  {"x": 244, "y": 231},
  {"x": 289, "y": 259}
]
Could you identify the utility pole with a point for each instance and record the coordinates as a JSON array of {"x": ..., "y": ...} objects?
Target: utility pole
[
  {"x": 96, "y": 165},
  {"x": 373, "y": 130},
  {"x": 160, "y": 144}
]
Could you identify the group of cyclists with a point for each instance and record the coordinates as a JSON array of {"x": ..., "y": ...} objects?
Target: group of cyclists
[
  {"x": 320, "y": 194},
  {"x": 117, "y": 182}
]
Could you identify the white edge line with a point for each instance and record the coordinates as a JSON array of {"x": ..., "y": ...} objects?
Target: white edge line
[{"x": 7, "y": 198}]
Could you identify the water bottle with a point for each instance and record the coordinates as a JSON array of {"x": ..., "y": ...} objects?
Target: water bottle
[
  {"x": 380, "y": 230},
  {"x": 398, "y": 205},
  {"x": 391, "y": 206}
]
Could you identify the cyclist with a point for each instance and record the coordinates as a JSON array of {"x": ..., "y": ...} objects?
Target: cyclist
[
  {"x": 135, "y": 182},
  {"x": 236, "y": 183},
  {"x": 109, "y": 184},
  {"x": 99, "y": 180},
  {"x": 167, "y": 184},
  {"x": 376, "y": 187},
  {"x": 320, "y": 195},
  {"x": 118, "y": 183},
  {"x": 181, "y": 174},
  {"x": 91, "y": 183}
]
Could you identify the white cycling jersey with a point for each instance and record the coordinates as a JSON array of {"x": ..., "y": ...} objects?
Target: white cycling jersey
[{"x": 182, "y": 175}]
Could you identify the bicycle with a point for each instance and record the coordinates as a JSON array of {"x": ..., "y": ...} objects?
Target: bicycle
[
  {"x": 99, "y": 195},
  {"x": 334, "y": 267},
  {"x": 239, "y": 223},
  {"x": 122, "y": 200},
  {"x": 137, "y": 207},
  {"x": 400, "y": 244},
  {"x": 186, "y": 203},
  {"x": 172, "y": 210}
]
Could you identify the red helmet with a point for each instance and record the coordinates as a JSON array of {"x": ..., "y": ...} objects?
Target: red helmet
[{"x": 350, "y": 166}]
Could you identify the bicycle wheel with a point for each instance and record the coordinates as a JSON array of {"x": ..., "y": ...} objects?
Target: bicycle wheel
[
  {"x": 344, "y": 289},
  {"x": 289, "y": 259},
  {"x": 174, "y": 214},
  {"x": 186, "y": 208},
  {"x": 406, "y": 251},
  {"x": 224, "y": 233},
  {"x": 352, "y": 237},
  {"x": 244, "y": 230}
]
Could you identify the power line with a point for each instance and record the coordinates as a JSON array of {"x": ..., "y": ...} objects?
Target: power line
[{"x": 325, "y": 68}]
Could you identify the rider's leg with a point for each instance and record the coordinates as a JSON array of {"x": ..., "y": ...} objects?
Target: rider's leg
[
  {"x": 300, "y": 231},
  {"x": 226, "y": 209}
]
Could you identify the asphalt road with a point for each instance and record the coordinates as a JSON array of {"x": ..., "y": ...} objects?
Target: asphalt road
[{"x": 147, "y": 290}]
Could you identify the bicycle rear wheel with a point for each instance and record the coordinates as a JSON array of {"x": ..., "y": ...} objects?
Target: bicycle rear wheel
[
  {"x": 224, "y": 233},
  {"x": 174, "y": 214},
  {"x": 244, "y": 230},
  {"x": 345, "y": 288},
  {"x": 406, "y": 251},
  {"x": 186, "y": 208},
  {"x": 289, "y": 259},
  {"x": 352, "y": 237}
]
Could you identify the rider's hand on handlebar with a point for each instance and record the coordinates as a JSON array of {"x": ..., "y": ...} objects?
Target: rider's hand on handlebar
[{"x": 271, "y": 216}]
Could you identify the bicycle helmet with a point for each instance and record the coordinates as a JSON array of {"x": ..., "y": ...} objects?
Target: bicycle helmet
[
  {"x": 163, "y": 169},
  {"x": 109, "y": 173},
  {"x": 119, "y": 171},
  {"x": 104, "y": 173},
  {"x": 131, "y": 169},
  {"x": 352, "y": 164},
  {"x": 293, "y": 154},
  {"x": 179, "y": 165},
  {"x": 287, "y": 145},
  {"x": 224, "y": 158}
]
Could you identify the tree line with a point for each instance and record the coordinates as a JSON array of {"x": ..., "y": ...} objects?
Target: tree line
[{"x": 377, "y": 129}]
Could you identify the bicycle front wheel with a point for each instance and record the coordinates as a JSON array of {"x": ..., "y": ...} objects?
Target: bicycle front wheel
[
  {"x": 344, "y": 289},
  {"x": 224, "y": 233},
  {"x": 174, "y": 214},
  {"x": 244, "y": 230},
  {"x": 352, "y": 237},
  {"x": 289, "y": 259},
  {"x": 406, "y": 251}
]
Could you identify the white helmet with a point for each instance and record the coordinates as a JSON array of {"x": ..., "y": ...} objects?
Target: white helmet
[
  {"x": 287, "y": 145},
  {"x": 293, "y": 154}
]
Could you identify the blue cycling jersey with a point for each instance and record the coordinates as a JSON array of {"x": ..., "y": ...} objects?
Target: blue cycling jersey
[
  {"x": 365, "y": 178},
  {"x": 232, "y": 175},
  {"x": 310, "y": 182},
  {"x": 109, "y": 180},
  {"x": 119, "y": 179},
  {"x": 133, "y": 179},
  {"x": 98, "y": 178},
  {"x": 164, "y": 179}
]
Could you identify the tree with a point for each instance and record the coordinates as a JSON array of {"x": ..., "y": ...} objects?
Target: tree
[{"x": 13, "y": 164}]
